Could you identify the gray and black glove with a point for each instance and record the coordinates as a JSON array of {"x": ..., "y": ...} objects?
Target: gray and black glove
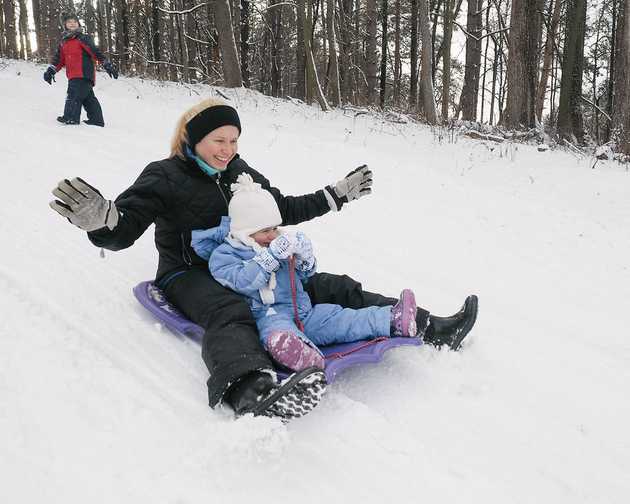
[
  {"x": 356, "y": 184},
  {"x": 49, "y": 74},
  {"x": 111, "y": 70},
  {"x": 83, "y": 205}
]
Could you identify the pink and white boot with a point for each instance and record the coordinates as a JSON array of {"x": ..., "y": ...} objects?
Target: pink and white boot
[
  {"x": 403, "y": 321},
  {"x": 292, "y": 352}
]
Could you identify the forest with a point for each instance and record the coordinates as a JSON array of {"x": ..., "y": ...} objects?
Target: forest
[{"x": 555, "y": 66}]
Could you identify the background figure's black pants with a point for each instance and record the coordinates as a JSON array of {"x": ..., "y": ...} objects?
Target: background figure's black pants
[
  {"x": 80, "y": 94},
  {"x": 231, "y": 347}
]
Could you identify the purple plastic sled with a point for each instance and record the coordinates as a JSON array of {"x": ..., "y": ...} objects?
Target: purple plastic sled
[{"x": 338, "y": 357}]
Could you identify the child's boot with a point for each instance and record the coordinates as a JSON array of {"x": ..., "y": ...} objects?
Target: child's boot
[
  {"x": 403, "y": 318},
  {"x": 291, "y": 351},
  {"x": 451, "y": 331}
]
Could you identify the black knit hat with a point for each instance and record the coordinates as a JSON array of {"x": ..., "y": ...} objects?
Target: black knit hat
[
  {"x": 210, "y": 119},
  {"x": 67, "y": 16}
]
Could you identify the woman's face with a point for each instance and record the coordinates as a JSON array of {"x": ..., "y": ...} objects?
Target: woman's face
[
  {"x": 218, "y": 147},
  {"x": 265, "y": 236}
]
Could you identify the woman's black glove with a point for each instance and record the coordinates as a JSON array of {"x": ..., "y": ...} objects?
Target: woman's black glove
[
  {"x": 83, "y": 205},
  {"x": 356, "y": 184},
  {"x": 49, "y": 74}
]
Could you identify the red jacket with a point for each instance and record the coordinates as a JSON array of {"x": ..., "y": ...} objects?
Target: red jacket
[{"x": 79, "y": 55}]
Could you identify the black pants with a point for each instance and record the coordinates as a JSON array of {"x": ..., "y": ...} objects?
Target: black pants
[
  {"x": 231, "y": 347},
  {"x": 81, "y": 94}
]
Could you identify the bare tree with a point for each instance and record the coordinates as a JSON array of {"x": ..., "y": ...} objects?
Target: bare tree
[
  {"x": 313, "y": 88},
  {"x": 426, "y": 78},
  {"x": 383, "y": 83},
  {"x": 522, "y": 67},
  {"x": 550, "y": 44},
  {"x": 470, "y": 92},
  {"x": 570, "y": 121},
  {"x": 621, "y": 96},
  {"x": 10, "y": 31},
  {"x": 333, "y": 76},
  {"x": 446, "y": 67},
  {"x": 413, "y": 77},
  {"x": 227, "y": 44},
  {"x": 371, "y": 62},
  {"x": 397, "y": 60}
]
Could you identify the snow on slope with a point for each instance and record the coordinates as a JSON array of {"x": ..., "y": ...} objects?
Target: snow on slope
[{"x": 98, "y": 404}]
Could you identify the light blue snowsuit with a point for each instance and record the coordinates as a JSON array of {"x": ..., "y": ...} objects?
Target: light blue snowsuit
[{"x": 232, "y": 264}]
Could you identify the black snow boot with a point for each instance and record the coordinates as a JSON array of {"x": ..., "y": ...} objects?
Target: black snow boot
[
  {"x": 451, "y": 331},
  {"x": 93, "y": 123},
  {"x": 63, "y": 120},
  {"x": 260, "y": 394}
]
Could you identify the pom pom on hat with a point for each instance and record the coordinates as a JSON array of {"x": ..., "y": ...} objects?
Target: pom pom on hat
[{"x": 251, "y": 209}]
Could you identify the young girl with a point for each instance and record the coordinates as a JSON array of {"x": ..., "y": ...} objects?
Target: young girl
[
  {"x": 77, "y": 52},
  {"x": 267, "y": 266}
]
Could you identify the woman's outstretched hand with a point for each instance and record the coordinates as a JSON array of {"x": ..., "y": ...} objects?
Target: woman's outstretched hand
[
  {"x": 356, "y": 184},
  {"x": 83, "y": 205}
]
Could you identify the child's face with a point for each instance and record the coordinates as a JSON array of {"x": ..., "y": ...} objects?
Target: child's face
[
  {"x": 265, "y": 236},
  {"x": 72, "y": 24},
  {"x": 219, "y": 146}
]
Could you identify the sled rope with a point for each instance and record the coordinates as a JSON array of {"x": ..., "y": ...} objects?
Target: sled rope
[{"x": 296, "y": 317}]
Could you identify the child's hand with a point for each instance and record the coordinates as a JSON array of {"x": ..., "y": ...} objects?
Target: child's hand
[
  {"x": 303, "y": 247},
  {"x": 282, "y": 247}
]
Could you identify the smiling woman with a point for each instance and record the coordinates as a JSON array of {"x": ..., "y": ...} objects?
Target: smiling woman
[{"x": 191, "y": 191}]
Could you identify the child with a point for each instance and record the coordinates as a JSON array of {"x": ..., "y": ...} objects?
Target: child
[
  {"x": 266, "y": 265},
  {"x": 77, "y": 52}
]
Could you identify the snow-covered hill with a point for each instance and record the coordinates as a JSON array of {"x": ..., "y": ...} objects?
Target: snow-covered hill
[{"x": 99, "y": 405}]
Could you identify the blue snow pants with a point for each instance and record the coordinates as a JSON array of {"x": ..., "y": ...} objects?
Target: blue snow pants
[{"x": 327, "y": 324}]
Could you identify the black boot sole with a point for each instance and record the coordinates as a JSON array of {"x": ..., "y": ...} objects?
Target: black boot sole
[
  {"x": 296, "y": 397},
  {"x": 470, "y": 311}
]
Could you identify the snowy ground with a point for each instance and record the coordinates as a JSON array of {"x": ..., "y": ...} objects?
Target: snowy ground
[{"x": 99, "y": 405}]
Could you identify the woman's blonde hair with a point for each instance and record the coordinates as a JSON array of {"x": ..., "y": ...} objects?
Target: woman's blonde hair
[{"x": 180, "y": 138}]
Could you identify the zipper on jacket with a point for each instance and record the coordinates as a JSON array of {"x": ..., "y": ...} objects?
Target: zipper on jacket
[
  {"x": 185, "y": 254},
  {"x": 218, "y": 183}
]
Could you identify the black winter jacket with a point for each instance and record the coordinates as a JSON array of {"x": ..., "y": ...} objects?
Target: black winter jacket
[{"x": 179, "y": 197}]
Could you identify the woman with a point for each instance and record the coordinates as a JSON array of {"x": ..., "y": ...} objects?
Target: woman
[{"x": 191, "y": 190}]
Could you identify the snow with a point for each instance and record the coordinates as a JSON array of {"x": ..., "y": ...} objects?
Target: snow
[{"x": 99, "y": 404}]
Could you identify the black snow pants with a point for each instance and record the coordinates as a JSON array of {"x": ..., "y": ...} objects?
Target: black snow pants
[
  {"x": 81, "y": 94},
  {"x": 231, "y": 347}
]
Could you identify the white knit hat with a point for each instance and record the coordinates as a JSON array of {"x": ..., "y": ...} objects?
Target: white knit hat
[{"x": 251, "y": 209}]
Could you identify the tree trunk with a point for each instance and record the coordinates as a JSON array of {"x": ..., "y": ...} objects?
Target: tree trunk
[
  {"x": 547, "y": 58},
  {"x": 397, "y": 61},
  {"x": 470, "y": 91},
  {"x": 245, "y": 28},
  {"x": 446, "y": 66},
  {"x": 621, "y": 93},
  {"x": 90, "y": 18},
  {"x": 25, "y": 39},
  {"x": 313, "y": 89},
  {"x": 227, "y": 44},
  {"x": 371, "y": 58},
  {"x": 300, "y": 54},
  {"x": 10, "y": 31},
  {"x": 426, "y": 73},
  {"x": 413, "y": 77},
  {"x": 522, "y": 67},
  {"x": 156, "y": 37},
  {"x": 276, "y": 41},
  {"x": 570, "y": 122},
  {"x": 53, "y": 29},
  {"x": 333, "y": 88},
  {"x": 610, "y": 78},
  {"x": 383, "y": 84}
]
